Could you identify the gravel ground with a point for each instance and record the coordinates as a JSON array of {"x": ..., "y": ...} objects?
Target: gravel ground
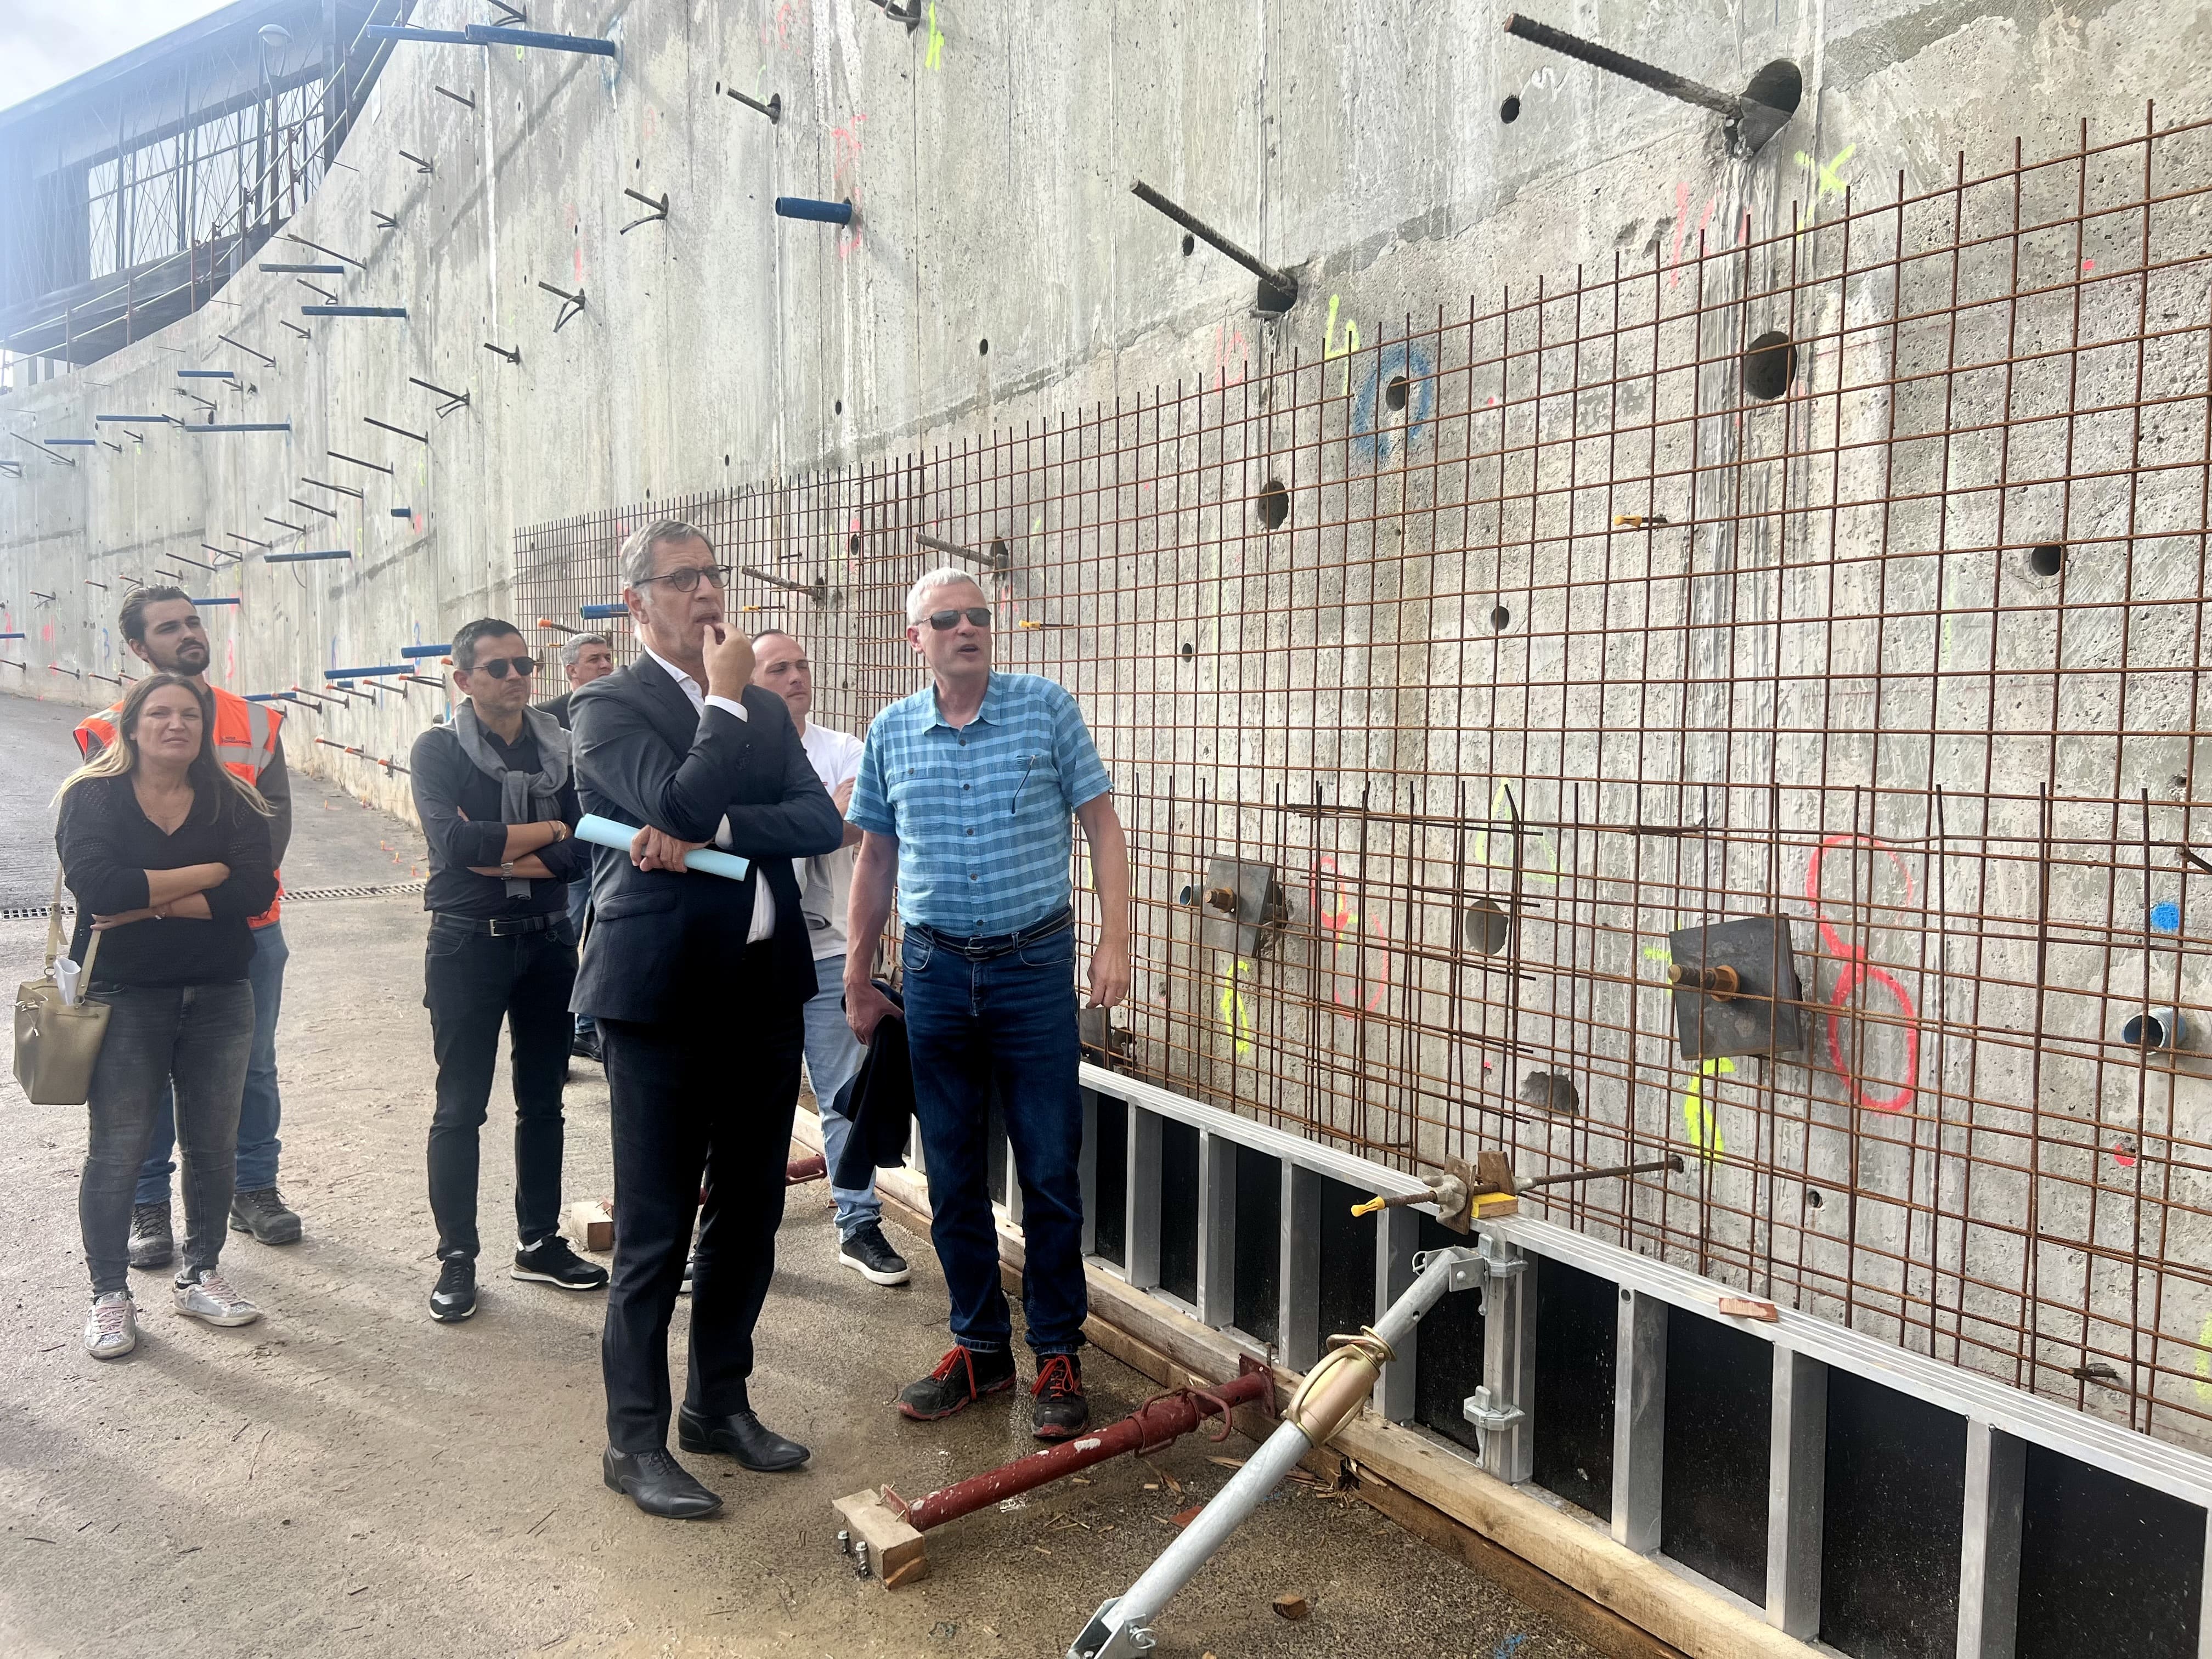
[{"x": 346, "y": 1477}]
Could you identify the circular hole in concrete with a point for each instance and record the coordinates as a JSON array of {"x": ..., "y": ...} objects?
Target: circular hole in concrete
[
  {"x": 853, "y": 545},
  {"x": 1394, "y": 394},
  {"x": 1500, "y": 619},
  {"x": 1780, "y": 86},
  {"x": 982, "y": 347},
  {"x": 2048, "y": 559},
  {"x": 1483, "y": 925},
  {"x": 839, "y": 406},
  {"x": 1189, "y": 246},
  {"x": 1509, "y": 111},
  {"x": 1274, "y": 504},
  {"x": 1813, "y": 1197},
  {"x": 1188, "y": 649},
  {"x": 1551, "y": 1091},
  {"x": 1769, "y": 364},
  {"x": 2146, "y": 1031}
]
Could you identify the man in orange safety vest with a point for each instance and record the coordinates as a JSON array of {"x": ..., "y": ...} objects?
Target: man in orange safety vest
[{"x": 162, "y": 628}]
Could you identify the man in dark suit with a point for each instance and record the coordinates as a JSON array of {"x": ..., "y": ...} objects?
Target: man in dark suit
[{"x": 699, "y": 984}]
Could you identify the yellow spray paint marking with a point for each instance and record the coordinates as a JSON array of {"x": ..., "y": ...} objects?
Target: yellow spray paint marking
[
  {"x": 1540, "y": 845},
  {"x": 2204, "y": 1360},
  {"x": 1235, "y": 1012},
  {"x": 1329, "y": 347},
  {"x": 1698, "y": 1121},
  {"x": 935, "y": 59},
  {"x": 1659, "y": 953}
]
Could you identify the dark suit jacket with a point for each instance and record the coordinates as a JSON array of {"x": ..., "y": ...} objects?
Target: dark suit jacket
[
  {"x": 558, "y": 707},
  {"x": 662, "y": 945}
]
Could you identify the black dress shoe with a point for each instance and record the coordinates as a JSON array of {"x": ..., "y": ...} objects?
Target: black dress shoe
[
  {"x": 741, "y": 1435},
  {"x": 657, "y": 1483}
]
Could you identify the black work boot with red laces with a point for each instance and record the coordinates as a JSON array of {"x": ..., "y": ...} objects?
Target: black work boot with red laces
[
  {"x": 962, "y": 1378},
  {"x": 1057, "y": 1407}
]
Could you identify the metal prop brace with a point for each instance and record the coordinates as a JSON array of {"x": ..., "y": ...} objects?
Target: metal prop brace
[{"x": 1332, "y": 1395}]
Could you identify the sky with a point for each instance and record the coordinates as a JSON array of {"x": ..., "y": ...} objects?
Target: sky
[{"x": 44, "y": 42}]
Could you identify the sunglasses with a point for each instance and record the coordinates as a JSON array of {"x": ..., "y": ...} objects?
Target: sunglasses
[
  {"x": 687, "y": 580},
  {"x": 523, "y": 667},
  {"x": 944, "y": 621}
]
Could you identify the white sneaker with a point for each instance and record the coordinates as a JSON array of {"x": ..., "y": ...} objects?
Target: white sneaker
[
  {"x": 211, "y": 1298},
  {"x": 111, "y": 1330}
]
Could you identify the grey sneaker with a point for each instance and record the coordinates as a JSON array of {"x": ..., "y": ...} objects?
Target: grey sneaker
[
  {"x": 111, "y": 1330},
  {"x": 211, "y": 1298},
  {"x": 153, "y": 1244}
]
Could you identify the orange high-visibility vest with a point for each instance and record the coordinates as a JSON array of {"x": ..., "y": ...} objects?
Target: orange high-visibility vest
[{"x": 245, "y": 741}]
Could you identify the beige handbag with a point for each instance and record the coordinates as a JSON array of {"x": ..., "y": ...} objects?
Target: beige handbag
[{"x": 58, "y": 1045}]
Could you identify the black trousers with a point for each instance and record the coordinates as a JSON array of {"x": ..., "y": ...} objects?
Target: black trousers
[
  {"x": 470, "y": 982},
  {"x": 703, "y": 1100}
]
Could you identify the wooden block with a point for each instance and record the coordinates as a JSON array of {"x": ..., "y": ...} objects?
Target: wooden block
[
  {"x": 591, "y": 1225},
  {"x": 1495, "y": 1204},
  {"x": 1750, "y": 1307},
  {"x": 894, "y": 1547}
]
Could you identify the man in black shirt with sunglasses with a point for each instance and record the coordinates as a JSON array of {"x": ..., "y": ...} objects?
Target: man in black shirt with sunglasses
[{"x": 497, "y": 798}]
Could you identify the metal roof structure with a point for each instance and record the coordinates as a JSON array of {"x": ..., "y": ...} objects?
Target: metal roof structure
[{"x": 130, "y": 194}]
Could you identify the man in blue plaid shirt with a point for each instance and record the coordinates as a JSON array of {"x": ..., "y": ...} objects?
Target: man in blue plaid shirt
[{"x": 965, "y": 796}]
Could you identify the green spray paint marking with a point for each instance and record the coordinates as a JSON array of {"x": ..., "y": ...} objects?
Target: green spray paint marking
[{"x": 935, "y": 59}]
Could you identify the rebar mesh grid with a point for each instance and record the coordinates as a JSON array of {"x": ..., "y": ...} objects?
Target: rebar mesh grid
[{"x": 1853, "y": 573}]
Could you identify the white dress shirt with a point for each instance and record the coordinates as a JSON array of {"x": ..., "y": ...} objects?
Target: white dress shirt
[{"x": 763, "y": 922}]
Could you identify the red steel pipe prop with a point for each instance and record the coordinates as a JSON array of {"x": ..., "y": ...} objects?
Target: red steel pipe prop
[
  {"x": 1151, "y": 1426},
  {"x": 797, "y": 1171}
]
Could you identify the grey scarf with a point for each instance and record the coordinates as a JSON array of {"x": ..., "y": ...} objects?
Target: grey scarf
[{"x": 523, "y": 797}]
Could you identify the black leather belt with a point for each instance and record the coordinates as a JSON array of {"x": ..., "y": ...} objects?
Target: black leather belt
[
  {"x": 982, "y": 948},
  {"x": 502, "y": 926}
]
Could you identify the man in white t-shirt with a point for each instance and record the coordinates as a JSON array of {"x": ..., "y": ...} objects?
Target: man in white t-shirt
[{"x": 833, "y": 1053}]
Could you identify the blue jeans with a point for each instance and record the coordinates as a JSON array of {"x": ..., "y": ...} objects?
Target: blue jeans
[
  {"x": 833, "y": 1061},
  {"x": 1009, "y": 1021},
  {"x": 579, "y": 900},
  {"x": 193, "y": 1041},
  {"x": 259, "y": 1113}
]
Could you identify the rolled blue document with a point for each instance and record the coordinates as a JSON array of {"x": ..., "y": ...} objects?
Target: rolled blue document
[{"x": 605, "y": 832}]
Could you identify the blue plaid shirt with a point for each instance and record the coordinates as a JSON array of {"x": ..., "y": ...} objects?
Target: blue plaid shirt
[{"x": 983, "y": 814}]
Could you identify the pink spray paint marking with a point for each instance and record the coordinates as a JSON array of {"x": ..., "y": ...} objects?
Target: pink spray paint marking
[
  {"x": 1857, "y": 966},
  {"x": 1340, "y": 922}
]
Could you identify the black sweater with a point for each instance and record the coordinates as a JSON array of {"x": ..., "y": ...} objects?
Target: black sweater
[{"x": 108, "y": 844}]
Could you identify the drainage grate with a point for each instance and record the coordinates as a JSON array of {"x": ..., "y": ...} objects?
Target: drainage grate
[
  {"x": 354, "y": 892},
  {"x": 20, "y": 911}
]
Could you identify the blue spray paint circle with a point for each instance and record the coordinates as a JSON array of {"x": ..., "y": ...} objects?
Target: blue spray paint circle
[{"x": 2165, "y": 918}]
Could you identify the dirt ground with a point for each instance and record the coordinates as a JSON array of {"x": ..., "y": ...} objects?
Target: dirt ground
[{"x": 346, "y": 1477}]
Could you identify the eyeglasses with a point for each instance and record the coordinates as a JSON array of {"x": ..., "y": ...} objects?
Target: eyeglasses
[
  {"x": 945, "y": 621},
  {"x": 497, "y": 667},
  {"x": 687, "y": 580}
]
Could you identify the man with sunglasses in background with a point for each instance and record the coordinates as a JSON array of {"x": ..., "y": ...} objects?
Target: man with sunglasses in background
[
  {"x": 699, "y": 983},
  {"x": 965, "y": 794},
  {"x": 498, "y": 806}
]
